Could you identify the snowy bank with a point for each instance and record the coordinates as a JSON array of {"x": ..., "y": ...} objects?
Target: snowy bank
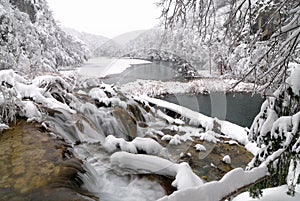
[
  {"x": 155, "y": 88},
  {"x": 120, "y": 65},
  {"x": 101, "y": 67},
  {"x": 272, "y": 194}
]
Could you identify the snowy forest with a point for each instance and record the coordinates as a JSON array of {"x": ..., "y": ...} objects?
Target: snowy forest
[{"x": 83, "y": 117}]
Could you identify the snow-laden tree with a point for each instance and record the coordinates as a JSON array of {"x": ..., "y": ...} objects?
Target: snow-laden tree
[
  {"x": 32, "y": 42},
  {"x": 256, "y": 39},
  {"x": 277, "y": 128}
]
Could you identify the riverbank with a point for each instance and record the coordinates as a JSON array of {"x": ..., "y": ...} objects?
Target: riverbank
[{"x": 156, "y": 88}]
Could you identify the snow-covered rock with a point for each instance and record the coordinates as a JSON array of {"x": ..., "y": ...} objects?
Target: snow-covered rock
[
  {"x": 226, "y": 159},
  {"x": 200, "y": 147},
  {"x": 146, "y": 145}
]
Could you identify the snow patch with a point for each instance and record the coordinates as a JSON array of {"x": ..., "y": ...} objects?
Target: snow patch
[
  {"x": 216, "y": 190},
  {"x": 120, "y": 65},
  {"x": 149, "y": 146},
  {"x": 200, "y": 147},
  {"x": 226, "y": 159},
  {"x": 294, "y": 78},
  {"x": 209, "y": 137},
  {"x": 272, "y": 194}
]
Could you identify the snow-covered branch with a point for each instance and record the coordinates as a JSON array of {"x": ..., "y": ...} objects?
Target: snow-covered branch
[{"x": 145, "y": 164}]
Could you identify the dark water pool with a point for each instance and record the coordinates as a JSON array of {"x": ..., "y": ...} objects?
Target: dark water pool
[{"x": 239, "y": 108}]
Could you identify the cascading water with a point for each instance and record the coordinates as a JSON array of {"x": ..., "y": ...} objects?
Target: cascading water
[{"x": 86, "y": 130}]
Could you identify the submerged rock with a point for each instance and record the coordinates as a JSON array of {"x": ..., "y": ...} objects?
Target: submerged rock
[
  {"x": 208, "y": 164},
  {"x": 127, "y": 123},
  {"x": 33, "y": 166}
]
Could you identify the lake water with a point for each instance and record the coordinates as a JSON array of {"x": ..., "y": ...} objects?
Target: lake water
[
  {"x": 239, "y": 108},
  {"x": 155, "y": 71},
  {"x": 98, "y": 67}
]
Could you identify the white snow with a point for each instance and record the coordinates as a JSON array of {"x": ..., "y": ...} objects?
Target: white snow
[
  {"x": 294, "y": 171},
  {"x": 184, "y": 176},
  {"x": 226, "y": 159},
  {"x": 205, "y": 121},
  {"x": 295, "y": 122},
  {"x": 103, "y": 66},
  {"x": 281, "y": 126},
  {"x": 30, "y": 111},
  {"x": 175, "y": 140},
  {"x": 178, "y": 139},
  {"x": 272, "y": 194},
  {"x": 47, "y": 80},
  {"x": 155, "y": 88},
  {"x": 267, "y": 126},
  {"x": 231, "y": 142},
  {"x": 252, "y": 147},
  {"x": 293, "y": 80},
  {"x": 98, "y": 94},
  {"x": 10, "y": 77},
  {"x": 3, "y": 127},
  {"x": 216, "y": 190},
  {"x": 120, "y": 65},
  {"x": 147, "y": 145},
  {"x": 234, "y": 131},
  {"x": 167, "y": 137},
  {"x": 209, "y": 137},
  {"x": 200, "y": 147},
  {"x": 37, "y": 91}
]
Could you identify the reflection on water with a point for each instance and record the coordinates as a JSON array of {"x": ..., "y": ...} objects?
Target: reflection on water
[{"x": 239, "y": 108}]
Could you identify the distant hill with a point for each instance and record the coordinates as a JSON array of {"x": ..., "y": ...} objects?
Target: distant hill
[
  {"x": 91, "y": 40},
  {"x": 118, "y": 45}
]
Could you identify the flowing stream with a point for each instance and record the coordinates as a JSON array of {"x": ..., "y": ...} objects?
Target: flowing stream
[{"x": 86, "y": 131}]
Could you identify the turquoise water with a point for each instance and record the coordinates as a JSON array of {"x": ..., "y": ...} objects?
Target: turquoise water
[{"x": 239, "y": 108}]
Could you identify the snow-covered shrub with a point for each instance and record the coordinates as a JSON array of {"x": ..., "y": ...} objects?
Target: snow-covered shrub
[
  {"x": 8, "y": 96},
  {"x": 29, "y": 98}
]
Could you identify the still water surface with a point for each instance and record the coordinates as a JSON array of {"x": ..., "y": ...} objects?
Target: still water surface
[{"x": 239, "y": 108}]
